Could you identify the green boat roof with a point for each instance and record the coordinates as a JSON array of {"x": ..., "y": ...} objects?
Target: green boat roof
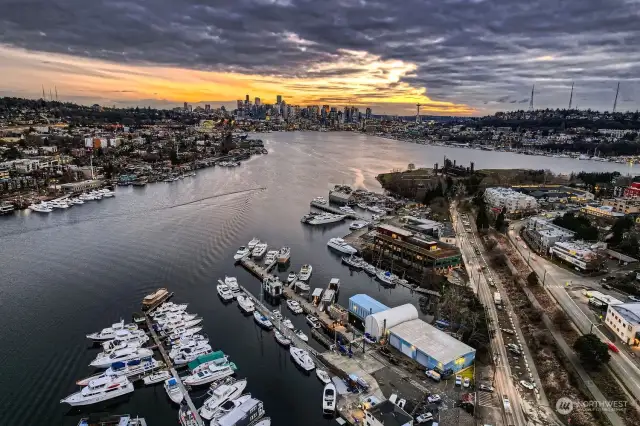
[{"x": 206, "y": 358}]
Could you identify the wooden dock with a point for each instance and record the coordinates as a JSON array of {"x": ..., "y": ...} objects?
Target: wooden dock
[
  {"x": 335, "y": 210},
  {"x": 260, "y": 272},
  {"x": 174, "y": 373}
]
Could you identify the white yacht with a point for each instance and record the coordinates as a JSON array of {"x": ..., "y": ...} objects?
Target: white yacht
[
  {"x": 253, "y": 243},
  {"x": 156, "y": 377},
  {"x": 107, "y": 193},
  {"x": 281, "y": 338},
  {"x": 113, "y": 345},
  {"x": 59, "y": 204},
  {"x": 187, "y": 355},
  {"x": 323, "y": 376},
  {"x": 294, "y": 306},
  {"x": 87, "y": 197},
  {"x": 271, "y": 257},
  {"x": 292, "y": 277},
  {"x": 245, "y": 304},
  {"x": 262, "y": 321},
  {"x": 191, "y": 343},
  {"x": 329, "y": 397},
  {"x": 284, "y": 255},
  {"x": 346, "y": 209},
  {"x": 182, "y": 332},
  {"x": 287, "y": 324},
  {"x": 224, "y": 292},
  {"x": 172, "y": 325},
  {"x": 302, "y": 358},
  {"x": 230, "y": 412},
  {"x": 110, "y": 332},
  {"x": 276, "y": 315},
  {"x": 126, "y": 337},
  {"x": 129, "y": 369},
  {"x": 325, "y": 218},
  {"x": 305, "y": 272},
  {"x": 369, "y": 269},
  {"x": 320, "y": 200},
  {"x": 76, "y": 201},
  {"x": 208, "y": 375},
  {"x": 259, "y": 250},
  {"x": 171, "y": 320},
  {"x": 40, "y": 208},
  {"x": 127, "y": 354},
  {"x": 386, "y": 278},
  {"x": 173, "y": 390},
  {"x": 232, "y": 283},
  {"x": 243, "y": 251},
  {"x": 301, "y": 335},
  {"x": 340, "y": 245},
  {"x": 313, "y": 321},
  {"x": 99, "y": 390},
  {"x": 358, "y": 224},
  {"x": 169, "y": 307},
  {"x": 227, "y": 391}
]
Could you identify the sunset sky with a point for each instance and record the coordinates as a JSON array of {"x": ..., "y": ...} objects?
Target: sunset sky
[{"x": 455, "y": 57}]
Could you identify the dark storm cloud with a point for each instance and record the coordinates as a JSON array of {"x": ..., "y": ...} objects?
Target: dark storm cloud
[{"x": 465, "y": 50}]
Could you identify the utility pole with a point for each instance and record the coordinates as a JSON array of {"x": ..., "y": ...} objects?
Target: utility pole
[
  {"x": 615, "y": 101},
  {"x": 571, "y": 96},
  {"x": 531, "y": 99},
  {"x": 56, "y": 87},
  {"x": 418, "y": 113}
]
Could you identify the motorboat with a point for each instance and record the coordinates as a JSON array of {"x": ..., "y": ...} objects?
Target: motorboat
[
  {"x": 302, "y": 287},
  {"x": 232, "y": 283},
  {"x": 313, "y": 321},
  {"x": 202, "y": 376},
  {"x": 287, "y": 324},
  {"x": 41, "y": 208},
  {"x": 305, "y": 272},
  {"x": 113, "y": 345},
  {"x": 190, "y": 343},
  {"x": 307, "y": 217},
  {"x": 301, "y": 335},
  {"x": 401, "y": 281},
  {"x": 276, "y": 315},
  {"x": 347, "y": 210},
  {"x": 263, "y": 422},
  {"x": 341, "y": 245},
  {"x": 173, "y": 390},
  {"x": 156, "y": 377},
  {"x": 262, "y": 321},
  {"x": 75, "y": 201},
  {"x": 320, "y": 200},
  {"x": 155, "y": 298},
  {"x": 324, "y": 218},
  {"x": 224, "y": 292},
  {"x": 59, "y": 204},
  {"x": 284, "y": 255},
  {"x": 182, "y": 332},
  {"x": 245, "y": 304},
  {"x": 186, "y": 417},
  {"x": 109, "y": 333},
  {"x": 99, "y": 390},
  {"x": 187, "y": 355},
  {"x": 243, "y": 251},
  {"x": 107, "y": 193},
  {"x": 253, "y": 243},
  {"x": 226, "y": 391},
  {"x": 386, "y": 278},
  {"x": 229, "y": 407},
  {"x": 172, "y": 325},
  {"x": 129, "y": 369},
  {"x": 370, "y": 269},
  {"x": 259, "y": 250},
  {"x": 363, "y": 206},
  {"x": 323, "y": 376},
  {"x": 123, "y": 355},
  {"x": 125, "y": 338},
  {"x": 114, "y": 420},
  {"x": 174, "y": 318},
  {"x": 168, "y": 307},
  {"x": 271, "y": 258},
  {"x": 352, "y": 262},
  {"x": 292, "y": 277},
  {"x": 294, "y": 306},
  {"x": 358, "y": 225},
  {"x": 329, "y": 398},
  {"x": 302, "y": 358},
  {"x": 281, "y": 338}
]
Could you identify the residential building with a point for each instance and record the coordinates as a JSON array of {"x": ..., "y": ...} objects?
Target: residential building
[
  {"x": 387, "y": 413},
  {"x": 623, "y": 205},
  {"x": 624, "y": 321},
  {"x": 632, "y": 191},
  {"x": 432, "y": 348},
  {"x": 403, "y": 246},
  {"x": 606, "y": 212},
  {"x": 576, "y": 253},
  {"x": 542, "y": 234},
  {"x": 361, "y": 306},
  {"x": 4, "y": 172},
  {"x": 514, "y": 201}
]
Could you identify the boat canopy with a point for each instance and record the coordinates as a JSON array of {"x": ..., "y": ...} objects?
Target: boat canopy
[
  {"x": 206, "y": 358},
  {"x": 118, "y": 365},
  {"x": 172, "y": 382}
]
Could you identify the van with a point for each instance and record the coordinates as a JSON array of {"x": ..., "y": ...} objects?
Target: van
[
  {"x": 393, "y": 398},
  {"x": 433, "y": 374}
]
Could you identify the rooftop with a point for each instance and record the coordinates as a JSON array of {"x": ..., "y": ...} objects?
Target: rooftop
[
  {"x": 389, "y": 414},
  {"x": 395, "y": 230},
  {"x": 629, "y": 311},
  {"x": 368, "y": 303},
  {"x": 442, "y": 251},
  {"x": 433, "y": 342}
]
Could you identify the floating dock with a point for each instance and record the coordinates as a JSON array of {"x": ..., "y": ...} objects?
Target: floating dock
[
  {"x": 172, "y": 369},
  {"x": 335, "y": 210}
]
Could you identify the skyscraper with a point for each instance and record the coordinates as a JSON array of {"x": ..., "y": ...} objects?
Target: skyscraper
[
  {"x": 240, "y": 104},
  {"x": 257, "y": 101},
  {"x": 279, "y": 99},
  {"x": 246, "y": 99},
  {"x": 186, "y": 106},
  {"x": 368, "y": 114},
  {"x": 207, "y": 108}
]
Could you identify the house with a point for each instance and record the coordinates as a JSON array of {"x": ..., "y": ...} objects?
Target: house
[{"x": 387, "y": 414}]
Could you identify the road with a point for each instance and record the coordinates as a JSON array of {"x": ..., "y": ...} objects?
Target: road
[
  {"x": 502, "y": 382},
  {"x": 555, "y": 279}
]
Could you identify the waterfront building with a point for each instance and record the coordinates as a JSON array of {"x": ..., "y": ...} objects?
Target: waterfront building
[
  {"x": 400, "y": 245},
  {"x": 387, "y": 413},
  {"x": 85, "y": 185},
  {"x": 432, "y": 348},
  {"x": 361, "y": 306},
  {"x": 379, "y": 323},
  {"x": 624, "y": 320},
  {"x": 423, "y": 226},
  {"x": 576, "y": 253},
  {"x": 513, "y": 201}
]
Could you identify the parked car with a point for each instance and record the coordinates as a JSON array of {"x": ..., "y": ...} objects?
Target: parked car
[
  {"x": 634, "y": 298},
  {"x": 433, "y": 399},
  {"x": 402, "y": 403},
  {"x": 458, "y": 380},
  {"x": 613, "y": 347},
  {"x": 606, "y": 286},
  {"x": 466, "y": 382},
  {"x": 424, "y": 418},
  {"x": 486, "y": 388},
  {"x": 433, "y": 375},
  {"x": 508, "y": 331}
]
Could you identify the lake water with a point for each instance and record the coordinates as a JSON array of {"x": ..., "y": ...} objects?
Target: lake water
[{"x": 76, "y": 271}]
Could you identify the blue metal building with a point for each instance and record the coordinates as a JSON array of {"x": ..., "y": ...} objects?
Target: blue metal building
[{"x": 361, "y": 306}]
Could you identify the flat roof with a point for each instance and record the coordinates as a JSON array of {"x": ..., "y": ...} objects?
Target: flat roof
[
  {"x": 621, "y": 256},
  {"x": 368, "y": 303},
  {"x": 609, "y": 300},
  {"x": 395, "y": 230},
  {"x": 433, "y": 342},
  {"x": 389, "y": 414},
  {"x": 629, "y": 311}
]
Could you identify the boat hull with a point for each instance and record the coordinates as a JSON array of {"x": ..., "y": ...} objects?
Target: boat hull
[{"x": 76, "y": 400}]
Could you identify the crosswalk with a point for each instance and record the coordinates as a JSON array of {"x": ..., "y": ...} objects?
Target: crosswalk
[{"x": 486, "y": 399}]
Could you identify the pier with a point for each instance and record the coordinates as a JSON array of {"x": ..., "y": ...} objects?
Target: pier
[
  {"x": 174, "y": 373},
  {"x": 335, "y": 210}
]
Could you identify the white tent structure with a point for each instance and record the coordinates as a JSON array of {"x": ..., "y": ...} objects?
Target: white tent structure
[{"x": 377, "y": 323}]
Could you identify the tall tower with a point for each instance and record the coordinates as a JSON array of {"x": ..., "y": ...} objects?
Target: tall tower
[
  {"x": 571, "y": 96},
  {"x": 418, "y": 113},
  {"x": 531, "y": 99},
  {"x": 279, "y": 99},
  {"x": 44, "y": 98},
  {"x": 615, "y": 101}
]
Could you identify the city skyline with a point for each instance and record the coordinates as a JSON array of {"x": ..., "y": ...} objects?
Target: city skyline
[{"x": 453, "y": 58}]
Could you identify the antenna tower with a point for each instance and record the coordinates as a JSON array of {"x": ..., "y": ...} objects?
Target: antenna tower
[
  {"x": 531, "y": 99},
  {"x": 615, "y": 101},
  {"x": 44, "y": 98},
  {"x": 56, "y": 87},
  {"x": 418, "y": 113},
  {"x": 571, "y": 96}
]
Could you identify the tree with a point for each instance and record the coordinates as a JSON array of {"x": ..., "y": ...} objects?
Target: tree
[
  {"x": 174, "y": 157},
  {"x": 500, "y": 219},
  {"x": 619, "y": 227},
  {"x": 532, "y": 279},
  {"x": 482, "y": 220},
  {"x": 592, "y": 351}
]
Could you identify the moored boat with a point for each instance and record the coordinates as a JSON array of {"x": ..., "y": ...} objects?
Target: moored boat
[
  {"x": 287, "y": 324},
  {"x": 259, "y": 250},
  {"x": 294, "y": 306},
  {"x": 301, "y": 335},
  {"x": 122, "y": 355},
  {"x": 156, "y": 377},
  {"x": 262, "y": 321},
  {"x": 226, "y": 391},
  {"x": 341, "y": 245},
  {"x": 173, "y": 390},
  {"x": 323, "y": 376},
  {"x": 99, "y": 390},
  {"x": 305, "y": 272},
  {"x": 208, "y": 373},
  {"x": 302, "y": 358},
  {"x": 281, "y": 338},
  {"x": 241, "y": 411},
  {"x": 243, "y": 251},
  {"x": 155, "y": 298},
  {"x": 224, "y": 292},
  {"x": 245, "y": 304},
  {"x": 284, "y": 255},
  {"x": 352, "y": 262},
  {"x": 110, "y": 333},
  {"x": 253, "y": 243},
  {"x": 386, "y": 278},
  {"x": 329, "y": 397},
  {"x": 292, "y": 277}
]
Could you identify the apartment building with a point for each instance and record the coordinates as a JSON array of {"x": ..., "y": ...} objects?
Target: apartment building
[
  {"x": 576, "y": 253},
  {"x": 623, "y": 205},
  {"x": 606, "y": 212},
  {"x": 514, "y": 201},
  {"x": 542, "y": 234},
  {"x": 624, "y": 321}
]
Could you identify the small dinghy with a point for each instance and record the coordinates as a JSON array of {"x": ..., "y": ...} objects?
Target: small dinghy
[{"x": 323, "y": 376}]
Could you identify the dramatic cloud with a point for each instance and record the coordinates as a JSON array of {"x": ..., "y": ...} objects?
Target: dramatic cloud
[{"x": 460, "y": 51}]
